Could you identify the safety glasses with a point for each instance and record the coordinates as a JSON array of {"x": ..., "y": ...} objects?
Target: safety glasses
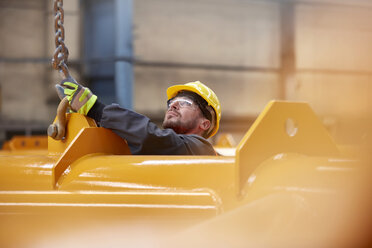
[{"x": 183, "y": 103}]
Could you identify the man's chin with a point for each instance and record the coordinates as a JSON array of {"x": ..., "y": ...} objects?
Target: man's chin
[
  {"x": 175, "y": 125},
  {"x": 168, "y": 123}
]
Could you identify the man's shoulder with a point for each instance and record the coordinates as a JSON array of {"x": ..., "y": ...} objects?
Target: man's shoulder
[
  {"x": 198, "y": 145},
  {"x": 196, "y": 137}
]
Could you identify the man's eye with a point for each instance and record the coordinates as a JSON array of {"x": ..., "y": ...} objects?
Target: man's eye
[{"x": 185, "y": 103}]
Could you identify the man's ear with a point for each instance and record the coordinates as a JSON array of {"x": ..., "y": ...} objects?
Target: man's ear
[{"x": 205, "y": 124}]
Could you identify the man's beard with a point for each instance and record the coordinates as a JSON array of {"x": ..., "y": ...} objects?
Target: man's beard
[{"x": 178, "y": 126}]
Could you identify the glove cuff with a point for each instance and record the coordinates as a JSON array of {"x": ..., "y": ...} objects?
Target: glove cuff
[{"x": 88, "y": 105}]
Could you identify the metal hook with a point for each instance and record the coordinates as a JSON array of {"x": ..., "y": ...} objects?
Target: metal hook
[{"x": 58, "y": 130}]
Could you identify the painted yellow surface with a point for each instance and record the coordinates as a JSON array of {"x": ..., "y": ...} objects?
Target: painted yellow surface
[
  {"x": 22, "y": 143},
  {"x": 225, "y": 140},
  {"x": 75, "y": 122},
  {"x": 287, "y": 172},
  {"x": 100, "y": 140},
  {"x": 282, "y": 127}
]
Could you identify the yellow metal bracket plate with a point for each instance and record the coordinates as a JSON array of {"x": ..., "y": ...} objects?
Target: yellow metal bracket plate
[
  {"x": 283, "y": 127},
  {"x": 75, "y": 122},
  {"x": 89, "y": 141}
]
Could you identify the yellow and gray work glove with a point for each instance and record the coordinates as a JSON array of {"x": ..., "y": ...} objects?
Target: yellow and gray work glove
[{"x": 80, "y": 98}]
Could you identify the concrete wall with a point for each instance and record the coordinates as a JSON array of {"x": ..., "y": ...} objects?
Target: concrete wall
[
  {"x": 26, "y": 47},
  {"x": 334, "y": 61},
  {"x": 221, "y": 33},
  {"x": 332, "y": 54},
  {"x": 334, "y": 58},
  {"x": 22, "y": 36},
  {"x": 231, "y": 45}
]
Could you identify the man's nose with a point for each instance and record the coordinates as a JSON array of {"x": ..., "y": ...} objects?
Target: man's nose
[{"x": 174, "y": 105}]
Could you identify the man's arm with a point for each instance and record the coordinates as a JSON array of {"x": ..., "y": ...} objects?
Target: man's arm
[{"x": 144, "y": 137}]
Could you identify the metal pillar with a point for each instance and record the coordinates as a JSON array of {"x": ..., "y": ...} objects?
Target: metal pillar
[
  {"x": 124, "y": 48},
  {"x": 287, "y": 46}
]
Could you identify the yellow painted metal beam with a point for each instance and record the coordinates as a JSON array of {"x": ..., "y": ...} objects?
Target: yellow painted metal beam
[
  {"x": 287, "y": 169},
  {"x": 282, "y": 127}
]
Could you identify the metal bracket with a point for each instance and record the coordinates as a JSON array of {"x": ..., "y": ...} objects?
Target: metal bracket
[
  {"x": 89, "y": 141},
  {"x": 282, "y": 127}
]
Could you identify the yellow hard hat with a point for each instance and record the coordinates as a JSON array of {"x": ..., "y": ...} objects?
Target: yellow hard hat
[{"x": 206, "y": 93}]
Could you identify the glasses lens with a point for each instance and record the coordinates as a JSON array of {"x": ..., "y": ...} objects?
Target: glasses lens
[
  {"x": 185, "y": 103},
  {"x": 181, "y": 102}
]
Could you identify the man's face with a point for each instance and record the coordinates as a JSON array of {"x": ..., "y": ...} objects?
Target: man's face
[{"x": 183, "y": 115}]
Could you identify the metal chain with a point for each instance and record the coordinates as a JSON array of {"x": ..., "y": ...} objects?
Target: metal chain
[{"x": 60, "y": 56}]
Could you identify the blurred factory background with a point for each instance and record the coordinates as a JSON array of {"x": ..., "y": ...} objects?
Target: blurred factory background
[{"x": 248, "y": 52}]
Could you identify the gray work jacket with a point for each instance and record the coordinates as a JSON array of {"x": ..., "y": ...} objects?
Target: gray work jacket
[{"x": 144, "y": 137}]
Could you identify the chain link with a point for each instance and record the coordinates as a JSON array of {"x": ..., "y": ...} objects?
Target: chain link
[{"x": 59, "y": 61}]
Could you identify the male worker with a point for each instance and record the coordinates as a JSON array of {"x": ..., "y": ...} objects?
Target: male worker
[{"x": 193, "y": 115}]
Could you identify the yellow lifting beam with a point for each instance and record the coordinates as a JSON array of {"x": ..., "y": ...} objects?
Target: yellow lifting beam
[{"x": 287, "y": 167}]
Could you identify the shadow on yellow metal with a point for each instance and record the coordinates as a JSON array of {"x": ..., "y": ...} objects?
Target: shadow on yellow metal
[{"x": 287, "y": 173}]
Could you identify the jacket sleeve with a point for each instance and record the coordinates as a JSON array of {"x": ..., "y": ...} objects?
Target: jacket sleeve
[{"x": 145, "y": 138}]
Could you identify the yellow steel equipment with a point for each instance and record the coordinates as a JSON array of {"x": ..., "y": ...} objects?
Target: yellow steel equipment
[
  {"x": 26, "y": 143},
  {"x": 288, "y": 183}
]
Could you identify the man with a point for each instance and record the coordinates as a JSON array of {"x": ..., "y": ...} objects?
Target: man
[{"x": 193, "y": 115}]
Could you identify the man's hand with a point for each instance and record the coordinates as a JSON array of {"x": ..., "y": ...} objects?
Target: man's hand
[{"x": 80, "y": 98}]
